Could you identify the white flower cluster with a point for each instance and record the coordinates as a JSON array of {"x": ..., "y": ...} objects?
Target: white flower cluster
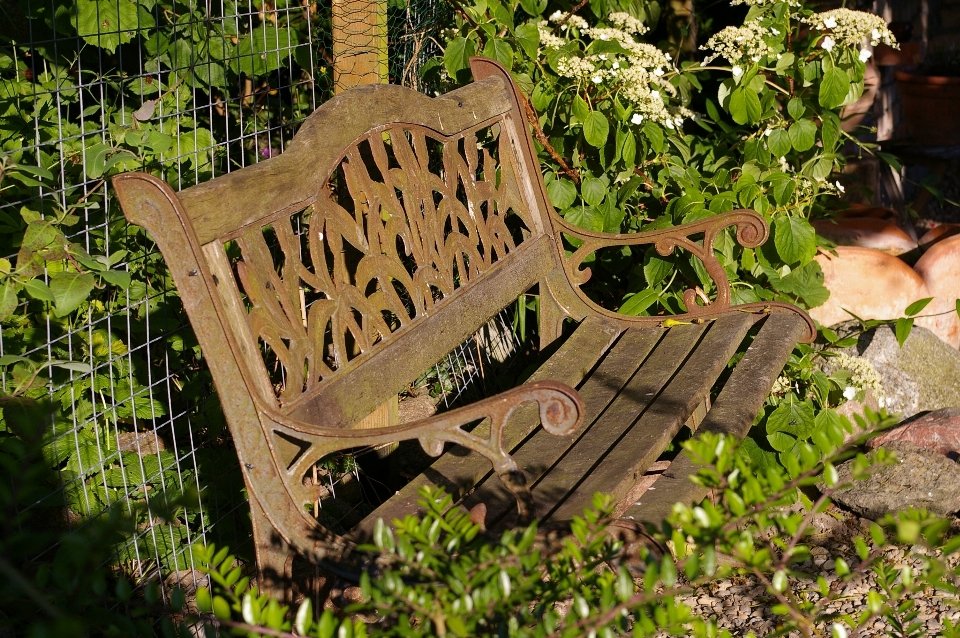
[
  {"x": 851, "y": 27},
  {"x": 627, "y": 22},
  {"x": 738, "y": 45},
  {"x": 568, "y": 20},
  {"x": 863, "y": 376},
  {"x": 638, "y": 78}
]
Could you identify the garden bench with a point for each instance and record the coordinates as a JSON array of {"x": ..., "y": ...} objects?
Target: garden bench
[{"x": 324, "y": 281}]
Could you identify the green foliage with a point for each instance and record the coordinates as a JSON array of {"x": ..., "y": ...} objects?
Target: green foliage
[
  {"x": 80, "y": 289},
  {"x": 622, "y": 150},
  {"x": 441, "y": 574}
]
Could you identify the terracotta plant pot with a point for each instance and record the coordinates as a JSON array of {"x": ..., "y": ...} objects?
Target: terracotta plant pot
[
  {"x": 930, "y": 107},
  {"x": 908, "y": 53}
]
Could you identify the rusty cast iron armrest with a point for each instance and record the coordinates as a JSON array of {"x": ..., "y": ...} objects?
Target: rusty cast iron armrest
[
  {"x": 561, "y": 413},
  {"x": 752, "y": 231}
]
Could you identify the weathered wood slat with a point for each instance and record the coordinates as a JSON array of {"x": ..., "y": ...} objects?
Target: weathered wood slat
[
  {"x": 628, "y": 405},
  {"x": 541, "y": 451},
  {"x": 617, "y": 471},
  {"x": 369, "y": 381},
  {"x": 459, "y": 470},
  {"x": 732, "y": 413}
]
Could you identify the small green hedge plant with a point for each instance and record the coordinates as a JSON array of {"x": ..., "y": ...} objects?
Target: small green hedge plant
[{"x": 440, "y": 574}]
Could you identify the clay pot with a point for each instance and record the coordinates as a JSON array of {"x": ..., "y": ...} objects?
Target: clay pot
[
  {"x": 863, "y": 210},
  {"x": 869, "y": 283},
  {"x": 867, "y": 232},
  {"x": 852, "y": 115},
  {"x": 930, "y": 107},
  {"x": 909, "y": 53},
  {"x": 939, "y": 268},
  {"x": 938, "y": 233}
]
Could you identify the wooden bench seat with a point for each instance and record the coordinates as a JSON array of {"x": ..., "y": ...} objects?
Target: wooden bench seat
[{"x": 323, "y": 282}]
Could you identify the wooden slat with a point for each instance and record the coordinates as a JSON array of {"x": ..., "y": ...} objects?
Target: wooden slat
[
  {"x": 369, "y": 380},
  {"x": 628, "y": 405},
  {"x": 459, "y": 470},
  {"x": 617, "y": 471},
  {"x": 733, "y": 413},
  {"x": 538, "y": 454}
]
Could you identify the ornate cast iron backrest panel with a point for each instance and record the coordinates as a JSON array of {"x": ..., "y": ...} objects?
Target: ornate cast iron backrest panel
[{"x": 407, "y": 219}]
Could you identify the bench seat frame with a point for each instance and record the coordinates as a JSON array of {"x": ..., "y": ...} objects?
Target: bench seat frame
[{"x": 279, "y": 437}]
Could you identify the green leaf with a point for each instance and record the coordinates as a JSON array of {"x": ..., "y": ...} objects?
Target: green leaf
[
  {"x": 500, "y": 50},
  {"x": 586, "y": 217},
  {"x": 803, "y": 134},
  {"x": 562, "y": 193},
  {"x": 528, "y": 36},
  {"x": 533, "y": 7},
  {"x": 639, "y": 302},
  {"x": 745, "y": 105},
  {"x": 593, "y": 191},
  {"x": 110, "y": 23},
  {"x": 779, "y": 142},
  {"x": 38, "y": 290},
  {"x": 221, "y": 608},
  {"x": 580, "y": 109},
  {"x": 8, "y": 300},
  {"x": 830, "y": 130},
  {"x": 265, "y": 49},
  {"x": 783, "y": 191},
  {"x": 806, "y": 282},
  {"x": 795, "y": 108},
  {"x": 834, "y": 88},
  {"x": 119, "y": 278},
  {"x": 627, "y": 144},
  {"x": 70, "y": 289},
  {"x": 795, "y": 239},
  {"x": 917, "y": 306},
  {"x": 596, "y": 129},
  {"x": 890, "y": 160},
  {"x": 903, "y": 328},
  {"x": 655, "y": 136},
  {"x": 96, "y": 160},
  {"x": 793, "y": 417},
  {"x": 656, "y": 268}
]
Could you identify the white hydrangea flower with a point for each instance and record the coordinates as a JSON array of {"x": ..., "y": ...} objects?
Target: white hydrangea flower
[
  {"x": 764, "y": 3},
  {"x": 628, "y": 23},
  {"x": 737, "y": 71},
  {"x": 739, "y": 44},
  {"x": 636, "y": 119},
  {"x": 840, "y": 187},
  {"x": 851, "y": 27},
  {"x": 849, "y": 393},
  {"x": 865, "y": 54},
  {"x": 828, "y": 43},
  {"x": 863, "y": 376}
]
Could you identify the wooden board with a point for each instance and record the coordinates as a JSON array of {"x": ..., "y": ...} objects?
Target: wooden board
[
  {"x": 616, "y": 469},
  {"x": 459, "y": 470},
  {"x": 542, "y": 450},
  {"x": 732, "y": 413}
]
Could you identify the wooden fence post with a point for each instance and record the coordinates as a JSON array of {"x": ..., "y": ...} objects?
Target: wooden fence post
[{"x": 359, "y": 43}]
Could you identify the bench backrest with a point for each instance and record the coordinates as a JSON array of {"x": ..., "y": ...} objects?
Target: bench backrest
[{"x": 390, "y": 213}]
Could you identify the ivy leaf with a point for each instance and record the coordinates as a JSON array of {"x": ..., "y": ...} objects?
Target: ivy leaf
[
  {"x": 639, "y": 302},
  {"x": 500, "y": 50},
  {"x": 903, "y": 328},
  {"x": 596, "y": 129},
  {"x": 562, "y": 193},
  {"x": 834, "y": 88},
  {"x": 803, "y": 134},
  {"x": 70, "y": 289},
  {"x": 779, "y": 142},
  {"x": 593, "y": 191},
  {"x": 795, "y": 239},
  {"x": 457, "y": 55}
]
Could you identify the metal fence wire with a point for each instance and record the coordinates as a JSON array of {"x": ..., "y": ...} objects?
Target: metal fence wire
[{"x": 93, "y": 332}]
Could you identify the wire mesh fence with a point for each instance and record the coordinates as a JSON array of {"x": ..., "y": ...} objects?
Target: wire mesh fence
[{"x": 94, "y": 337}]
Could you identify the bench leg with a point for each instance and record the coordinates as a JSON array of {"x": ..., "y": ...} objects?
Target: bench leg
[{"x": 274, "y": 556}]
